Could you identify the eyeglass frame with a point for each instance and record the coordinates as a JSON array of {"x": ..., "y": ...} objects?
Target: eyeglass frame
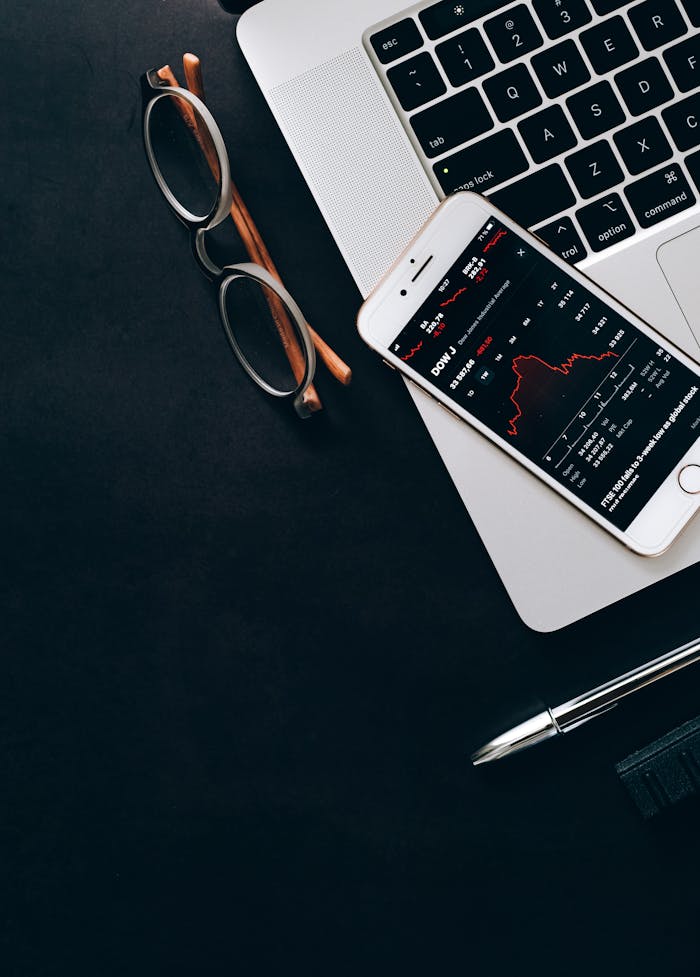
[{"x": 152, "y": 92}]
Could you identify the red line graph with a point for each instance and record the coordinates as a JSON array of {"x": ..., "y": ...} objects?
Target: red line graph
[
  {"x": 413, "y": 351},
  {"x": 453, "y": 299},
  {"x": 564, "y": 368},
  {"x": 495, "y": 239}
]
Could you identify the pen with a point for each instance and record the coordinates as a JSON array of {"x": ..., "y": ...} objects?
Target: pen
[{"x": 576, "y": 712}]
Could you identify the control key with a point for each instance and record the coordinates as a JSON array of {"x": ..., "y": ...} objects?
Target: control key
[{"x": 561, "y": 236}]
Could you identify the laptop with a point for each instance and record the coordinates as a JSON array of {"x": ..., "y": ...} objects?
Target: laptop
[{"x": 580, "y": 119}]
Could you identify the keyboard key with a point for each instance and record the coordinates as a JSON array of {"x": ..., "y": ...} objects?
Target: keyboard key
[
  {"x": 512, "y": 92},
  {"x": 595, "y": 110},
  {"x": 536, "y": 197},
  {"x": 605, "y": 222},
  {"x": 547, "y": 134},
  {"x": 561, "y": 68},
  {"x": 683, "y": 121},
  {"x": 513, "y": 33},
  {"x": 416, "y": 81},
  {"x": 444, "y": 17},
  {"x": 643, "y": 145},
  {"x": 657, "y": 22},
  {"x": 683, "y": 61},
  {"x": 594, "y": 169},
  {"x": 483, "y": 165},
  {"x": 604, "y": 7},
  {"x": 559, "y": 17},
  {"x": 644, "y": 86},
  {"x": 692, "y": 9},
  {"x": 464, "y": 57},
  {"x": 563, "y": 238},
  {"x": 609, "y": 45},
  {"x": 660, "y": 195},
  {"x": 395, "y": 41},
  {"x": 693, "y": 164},
  {"x": 452, "y": 122}
]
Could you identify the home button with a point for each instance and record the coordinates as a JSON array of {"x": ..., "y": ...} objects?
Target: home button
[{"x": 689, "y": 479}]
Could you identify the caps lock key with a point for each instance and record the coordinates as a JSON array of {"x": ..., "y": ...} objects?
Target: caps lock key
[{"x": 482, "y": 165}]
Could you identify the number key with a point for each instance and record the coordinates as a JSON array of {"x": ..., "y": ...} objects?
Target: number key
[
  {"x": 513, "y": 33},
  {"x": 416, "y": 81},
  {"x": 559, "y": 17},
  {"x": 464, "y": 57}
]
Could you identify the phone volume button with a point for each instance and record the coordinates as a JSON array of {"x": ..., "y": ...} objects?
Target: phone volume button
[{"x": 387, "y": 363}]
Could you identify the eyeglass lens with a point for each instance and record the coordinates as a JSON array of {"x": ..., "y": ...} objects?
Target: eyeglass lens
[
  {"x": 179, "y": 155},
  {"x": 253, "y": 311}
]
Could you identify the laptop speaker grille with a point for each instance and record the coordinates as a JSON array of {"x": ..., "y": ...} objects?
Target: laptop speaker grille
[{"x": 342, "y": 131}]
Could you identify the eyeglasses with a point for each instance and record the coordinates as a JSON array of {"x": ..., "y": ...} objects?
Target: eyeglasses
[{"x": 264, "y": 326}]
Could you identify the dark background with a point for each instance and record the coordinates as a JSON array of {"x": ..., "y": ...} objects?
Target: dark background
[{"x": 245, "y": 658}]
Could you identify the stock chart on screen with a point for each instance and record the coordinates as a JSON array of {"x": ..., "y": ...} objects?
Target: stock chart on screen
[{"x": 555, "y": 372}]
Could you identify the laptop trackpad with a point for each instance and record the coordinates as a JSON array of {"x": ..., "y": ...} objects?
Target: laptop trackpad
[{"x": 680, "y": 263}]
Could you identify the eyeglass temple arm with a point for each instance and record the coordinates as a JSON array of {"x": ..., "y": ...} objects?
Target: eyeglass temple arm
[
  {"x": 187, "y": 112},
  {"x": 333, "y": 363}
]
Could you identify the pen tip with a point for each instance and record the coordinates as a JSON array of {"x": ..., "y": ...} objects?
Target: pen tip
[{"x": 532, "y": 731}]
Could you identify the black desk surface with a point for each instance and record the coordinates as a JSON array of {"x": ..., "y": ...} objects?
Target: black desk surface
[{"x": 245, "y": 658}]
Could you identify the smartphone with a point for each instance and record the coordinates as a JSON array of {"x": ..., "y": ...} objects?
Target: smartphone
[{"x": 507, "y": 336}]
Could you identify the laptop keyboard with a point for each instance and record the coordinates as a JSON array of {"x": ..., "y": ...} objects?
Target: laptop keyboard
[{"x": 578, "y": 118}]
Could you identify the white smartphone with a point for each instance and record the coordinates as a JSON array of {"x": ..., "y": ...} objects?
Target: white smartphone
[{"x": 507, "y": 336}]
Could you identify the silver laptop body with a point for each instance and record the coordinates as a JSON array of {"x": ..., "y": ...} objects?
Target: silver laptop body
[{"x": 347, "y": 84}]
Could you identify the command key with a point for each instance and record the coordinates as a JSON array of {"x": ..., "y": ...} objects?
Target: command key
[{"x": 660, "y": 195}]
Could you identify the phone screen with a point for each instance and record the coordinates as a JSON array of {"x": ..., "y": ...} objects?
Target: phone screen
[{"x": 556, "y": 372}]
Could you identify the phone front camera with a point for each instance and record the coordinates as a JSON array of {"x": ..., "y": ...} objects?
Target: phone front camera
[{"x": 404, "y": 292}]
